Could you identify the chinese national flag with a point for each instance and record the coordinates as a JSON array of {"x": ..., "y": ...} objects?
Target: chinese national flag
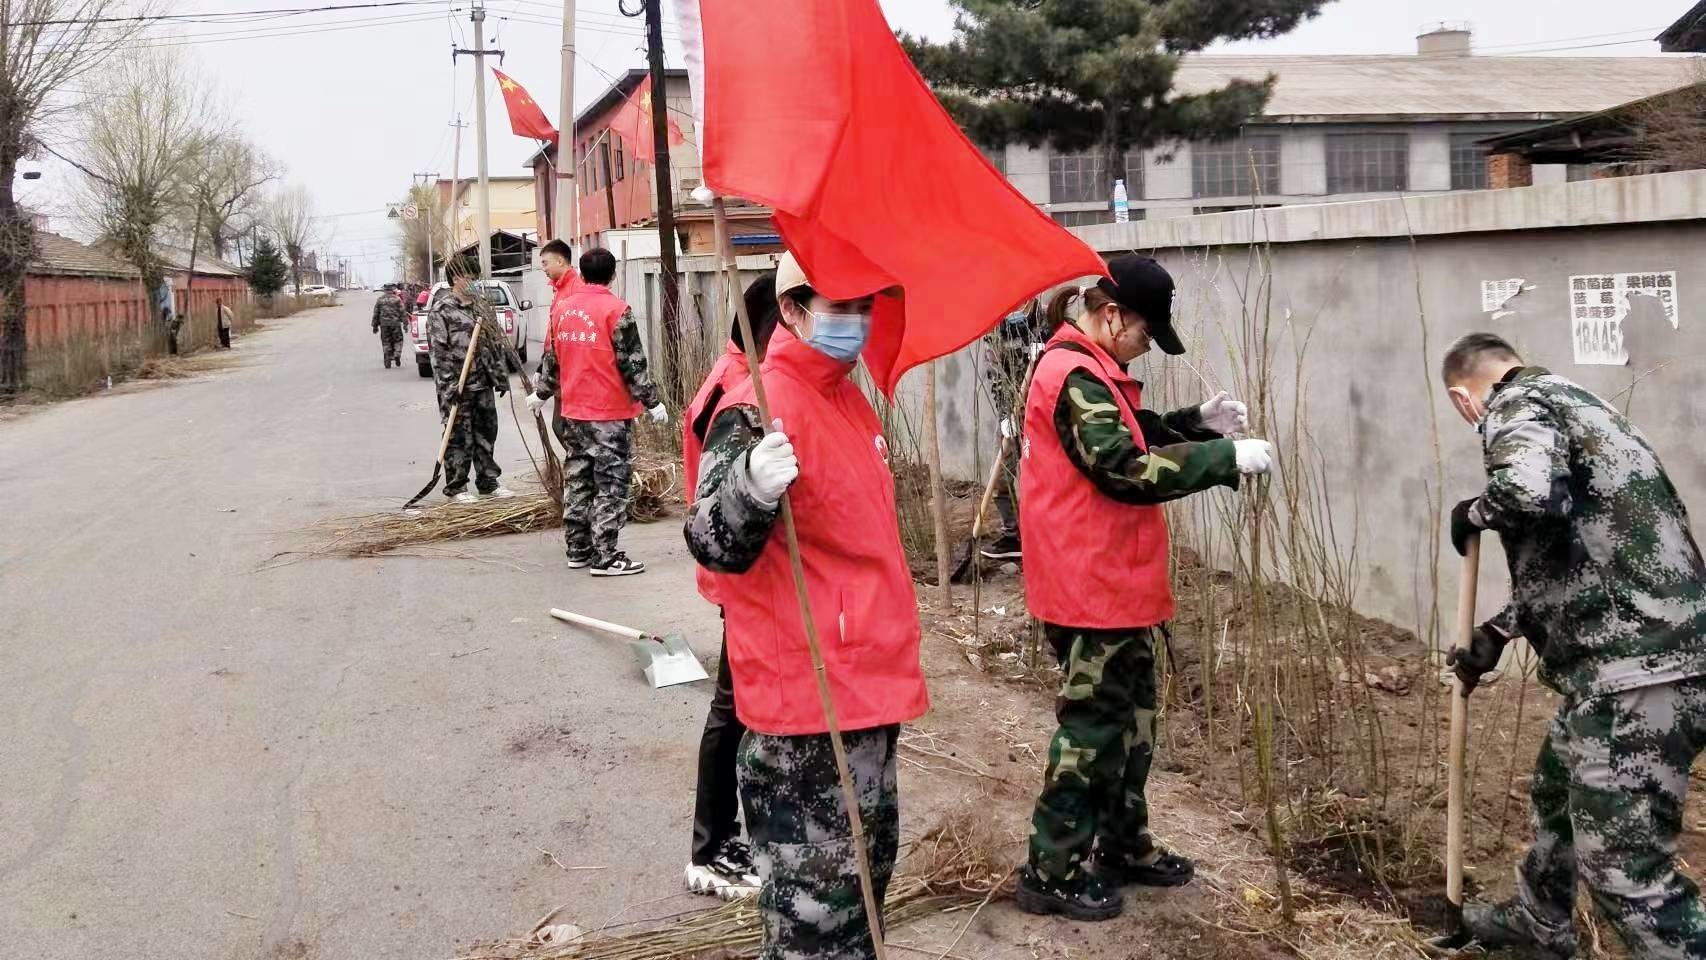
[
  {"x": 525, "y": 117},
  {"x": 633, "y": 123},
  {"x": 812, "y": 107}
]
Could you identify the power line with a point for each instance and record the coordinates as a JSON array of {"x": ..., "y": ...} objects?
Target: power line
[
  {"x": 280, "y": 33},
  {"x": 214, "y": 16},
  {"x": 1646, "y": 33}
]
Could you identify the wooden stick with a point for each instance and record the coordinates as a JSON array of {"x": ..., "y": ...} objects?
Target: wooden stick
[
  {"x": 938, "y": 490},
  {"x": 1466, "y": 590},
  {"x": 873, "y": 912}
]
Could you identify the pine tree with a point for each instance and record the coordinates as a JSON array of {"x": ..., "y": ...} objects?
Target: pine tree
[
  {"x": 267, "y": 270},
  {"x": 1047, "y": 71}
]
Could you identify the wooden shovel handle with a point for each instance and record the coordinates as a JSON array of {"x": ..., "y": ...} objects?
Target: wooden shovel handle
[
  {"x": 1466, "y": 590},
  {"x": 603, "y": 626}
]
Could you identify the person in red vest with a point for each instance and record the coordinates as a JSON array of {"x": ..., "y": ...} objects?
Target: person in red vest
[
  {"x": 720, "y": 864},
  {"x": 557, "y": 261},
  {"x": 596, "y": 356},
  {"x": 1095, "y": 471},
  {"x": 832, "y": 461}
]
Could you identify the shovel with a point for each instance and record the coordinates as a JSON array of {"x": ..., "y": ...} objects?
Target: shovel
[
  {"x": 1457, "y": 935},
  {"x": 667, "y": 660}
]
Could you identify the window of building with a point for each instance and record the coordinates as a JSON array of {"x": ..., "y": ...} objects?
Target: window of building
[
  {"x": 1085, "y": 218},
  {"x": 1468, "y": 161},
  {"x": 603, "y": 163},
  {"x": 1241, "y": 167},
  {"x": 1084, "y": 177},
  {"x": 621, "y": 165},
  {"x": 1368, "y": 162}
]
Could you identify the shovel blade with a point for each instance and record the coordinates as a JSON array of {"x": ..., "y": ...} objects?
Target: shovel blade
[{"x": 668, "y": 662}]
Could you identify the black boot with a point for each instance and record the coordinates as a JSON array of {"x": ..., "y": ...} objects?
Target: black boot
[
  {"x": 1158, "y": 868},
  {"x": 1089, "y": 900}
]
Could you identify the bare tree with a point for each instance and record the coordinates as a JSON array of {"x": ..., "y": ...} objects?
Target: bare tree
[
  {"x": 143, "y": 141},
  {"x": 412, "y": 241},
  {"x": 290, "y": 216},
  {"x": 1669, "y": 130},
  {"x": 225, "y": 193},
  {"x": 44, "y": 45}
]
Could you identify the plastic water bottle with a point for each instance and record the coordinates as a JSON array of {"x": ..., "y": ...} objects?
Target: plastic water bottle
[{"x": 1122, "y": 203}]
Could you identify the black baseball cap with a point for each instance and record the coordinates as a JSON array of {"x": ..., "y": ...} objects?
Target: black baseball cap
[{"x": 1145, "y": 287}]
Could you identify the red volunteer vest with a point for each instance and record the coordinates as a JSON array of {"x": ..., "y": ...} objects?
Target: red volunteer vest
[
  {"x": 727, "y": 373},
  {"x": 856, "y": 571},
  {"x": 583, "y": 329},
  {"x": 1090, "y": 561}
]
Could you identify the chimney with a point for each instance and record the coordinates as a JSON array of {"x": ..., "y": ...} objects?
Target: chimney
[{"x": 1451, "y": 39}]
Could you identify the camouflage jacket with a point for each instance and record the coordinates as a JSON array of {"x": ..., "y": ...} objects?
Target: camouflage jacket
[
  {"x": 450, "y": 327},
  {"x": 630, "y": 363},
  {"x": 388, "y": 312},
  {"x": 1607, "y": 582},
  {"x": 1182, "y": 456},
  {"x": 727, "y": 526}
]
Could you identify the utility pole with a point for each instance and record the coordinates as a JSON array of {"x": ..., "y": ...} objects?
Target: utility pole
[
  {"x": 479, "y": 53},
  {"x": 455, "y": 184},
  {"x": 567, "y": 220},
  {"x": 421, "y": 178},
  {"x": 671, "y": 338}
]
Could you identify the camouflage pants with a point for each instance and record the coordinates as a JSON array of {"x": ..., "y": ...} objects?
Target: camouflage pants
[
  {"x": 802, "y": 840},
  {"x": 1007, "y": 488},
  {"x": 391, "y": 344},
  {"x": 1098, "y": 762},
  {"x": 1608, "y": 797},
  {"x": 596, "y": 474},
  {"x": 471, "y": 443}
]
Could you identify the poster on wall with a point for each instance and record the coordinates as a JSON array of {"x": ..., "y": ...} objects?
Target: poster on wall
[{"x": 1599, "y": 303}]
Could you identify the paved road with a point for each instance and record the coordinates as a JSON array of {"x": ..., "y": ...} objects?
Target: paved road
[{"x": 329, "y": 759}]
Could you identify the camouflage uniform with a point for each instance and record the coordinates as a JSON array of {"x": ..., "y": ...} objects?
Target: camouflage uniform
[
  {"x": 598, "y": 468},
  {"x": 1011, "y": 346},
  {"x": 450, "y": 327},
  {"x": 1609, "y": 588},
  {"x": 1098, "y": 765},
  {"x": 388, "y": 319},
  {"x": 802, "y": 842}
]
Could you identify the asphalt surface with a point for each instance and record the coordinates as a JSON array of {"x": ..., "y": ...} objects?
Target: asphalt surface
[{"x": 214, "y": 751}]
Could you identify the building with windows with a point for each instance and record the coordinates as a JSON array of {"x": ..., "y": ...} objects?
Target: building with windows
[{"x": 1346, "y": 127}]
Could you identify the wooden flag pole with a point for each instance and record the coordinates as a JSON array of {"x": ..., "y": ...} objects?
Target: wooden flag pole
[{"x": 873, "y": 910}]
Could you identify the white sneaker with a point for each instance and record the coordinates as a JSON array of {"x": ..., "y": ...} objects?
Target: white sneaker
[
  {"x": 501, "y": 493},
  {"x": 466, "y": 496},
  {"x": 709, "y": 880}
]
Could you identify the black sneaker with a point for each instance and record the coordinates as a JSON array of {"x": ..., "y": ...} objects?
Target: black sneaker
[
  {"x": 1006, "y": 548},
  {"x": 1510, "y": 924},
  {"x": 1092, "y": 900},
  {"x": 1158, "y": 868},
  {"x": 618, "y": 566},
  {"x": 579, "y": 561}
]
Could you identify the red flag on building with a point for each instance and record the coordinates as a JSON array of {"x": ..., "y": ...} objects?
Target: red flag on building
[
  {"x": 633, "y": 123},
  {"x": 525, "y": 117},
  {"x": 812, "y": 107}
]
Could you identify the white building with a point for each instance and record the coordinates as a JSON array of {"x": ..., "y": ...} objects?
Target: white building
[{"x": 1347, "y": 127}]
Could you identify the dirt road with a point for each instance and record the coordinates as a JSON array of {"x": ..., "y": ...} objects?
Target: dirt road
[{"x": 331, "y": 758}]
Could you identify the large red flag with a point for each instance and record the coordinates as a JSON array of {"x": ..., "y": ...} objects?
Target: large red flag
[
  {"x": 633, "y": 123},
  {"x": 812, "y": 107},
  {"x": 525, "y": 117}
]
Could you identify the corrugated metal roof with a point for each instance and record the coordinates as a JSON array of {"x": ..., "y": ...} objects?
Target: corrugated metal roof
[
  {"x": 62, "y": 256},
  {"x": 1385, "y": 87}
]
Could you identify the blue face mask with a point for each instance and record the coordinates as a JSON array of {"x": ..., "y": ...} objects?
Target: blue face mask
[{"x": 839, "y": 336}]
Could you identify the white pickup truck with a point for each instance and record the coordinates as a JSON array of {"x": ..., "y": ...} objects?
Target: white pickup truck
[{"x": 511, "y": 313}]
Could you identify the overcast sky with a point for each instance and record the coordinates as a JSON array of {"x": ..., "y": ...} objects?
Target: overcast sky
[{"x": 353, "y": 103}]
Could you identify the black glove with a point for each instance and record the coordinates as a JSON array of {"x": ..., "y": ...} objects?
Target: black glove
[
  {"x": 1462, "y": 528},
  {"x": 502, "y": 388},
  {"x": 1486, "y": 644}
]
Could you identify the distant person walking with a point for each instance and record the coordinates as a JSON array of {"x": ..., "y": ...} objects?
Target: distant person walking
[
  {"x": 165, "y": 306},
  {"x": 596, "y": 358},
  {"x": 388, "y": 319},
  {"x": 224, "y": 323}
]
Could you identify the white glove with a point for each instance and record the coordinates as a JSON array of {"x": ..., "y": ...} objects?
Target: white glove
[
  {"x": 1036, "y": 350},
  {"x": 659, "y": 414},
  {"x": 772, "y": 466},
  {"x": 535, "y": 403},
  {"x": 1254, "y": 456},
  {"x": 1225, "y": 415},
  {"x": 1007, "y": 431}
]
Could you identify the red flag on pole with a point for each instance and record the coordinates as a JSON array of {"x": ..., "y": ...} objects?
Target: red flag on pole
[
  {"x": 525, "y": 117},
  {"x": 633, "y": 123},
  {"x": 812, "y": 107}
]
